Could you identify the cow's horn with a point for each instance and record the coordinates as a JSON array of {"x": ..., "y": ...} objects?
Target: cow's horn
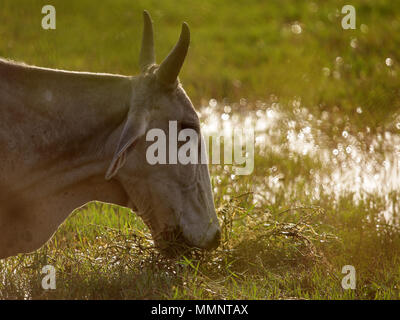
[
  {"x": 170, "y": 67},
  {"x": 147, "y": 55}
]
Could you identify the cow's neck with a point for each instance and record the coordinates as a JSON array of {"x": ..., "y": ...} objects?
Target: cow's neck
[{"x": 54, "y": 123}]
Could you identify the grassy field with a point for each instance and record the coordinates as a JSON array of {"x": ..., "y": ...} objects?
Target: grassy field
[{"x": 325, "y": 189}]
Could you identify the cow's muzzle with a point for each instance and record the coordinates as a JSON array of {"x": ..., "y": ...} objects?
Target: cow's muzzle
[{"x": 172, "y": 243}]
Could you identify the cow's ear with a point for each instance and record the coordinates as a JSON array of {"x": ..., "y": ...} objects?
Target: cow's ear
[{"x": 135, "y": 127}]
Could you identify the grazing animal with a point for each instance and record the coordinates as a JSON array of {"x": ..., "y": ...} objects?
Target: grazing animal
[{"x": 68, "y": 138}]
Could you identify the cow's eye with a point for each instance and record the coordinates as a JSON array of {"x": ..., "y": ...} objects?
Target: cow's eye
[
  {"x": 193, "y": 126},
  {"x": 189, "y": 125}
]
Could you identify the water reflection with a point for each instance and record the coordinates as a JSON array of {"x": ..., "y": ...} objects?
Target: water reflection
[{"x": 348, "y": 162}]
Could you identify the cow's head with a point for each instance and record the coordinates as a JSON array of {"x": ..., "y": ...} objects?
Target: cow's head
[{"x": 174, "y": 200}]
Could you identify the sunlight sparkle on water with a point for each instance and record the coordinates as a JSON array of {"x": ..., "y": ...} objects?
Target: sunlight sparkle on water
[{"x": 351, "y": 164}]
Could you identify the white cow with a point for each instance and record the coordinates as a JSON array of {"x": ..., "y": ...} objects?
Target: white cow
[{"x": 67, "y": 138}]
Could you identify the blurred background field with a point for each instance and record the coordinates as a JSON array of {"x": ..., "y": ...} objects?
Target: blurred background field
[{"x": 325, "y": 190}]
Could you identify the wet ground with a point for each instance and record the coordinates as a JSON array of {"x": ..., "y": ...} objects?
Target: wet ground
[{"x": 330, "y": 154}]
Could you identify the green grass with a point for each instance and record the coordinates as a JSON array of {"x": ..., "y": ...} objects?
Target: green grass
[
  {"x": 278, "y": 243},
  {"x": 101, "y": 253}
]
